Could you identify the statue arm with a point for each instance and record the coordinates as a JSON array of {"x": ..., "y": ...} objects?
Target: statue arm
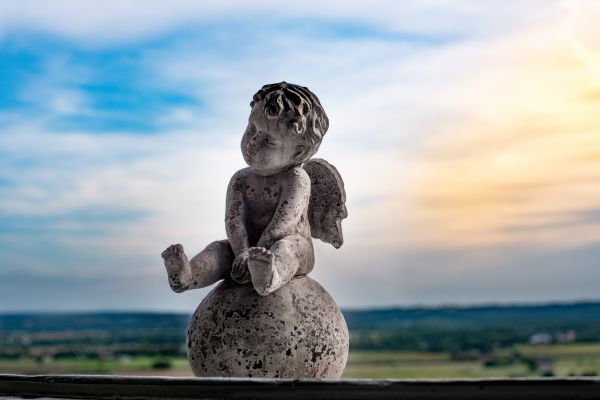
[
  {"x": 293, "y": 203},
  {"x": 235, "y": 215}
]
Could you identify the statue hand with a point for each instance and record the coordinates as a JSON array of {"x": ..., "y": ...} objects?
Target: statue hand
[{"x": 239, "y": 269}]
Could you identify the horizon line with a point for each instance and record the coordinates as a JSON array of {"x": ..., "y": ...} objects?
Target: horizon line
[{"x": 441, "y": 306}]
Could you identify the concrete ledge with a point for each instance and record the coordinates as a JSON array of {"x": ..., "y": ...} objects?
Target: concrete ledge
[{"x": 126, "y": 387}]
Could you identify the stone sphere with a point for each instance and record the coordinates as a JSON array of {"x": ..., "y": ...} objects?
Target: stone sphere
[{"x": 297, "y": 331}]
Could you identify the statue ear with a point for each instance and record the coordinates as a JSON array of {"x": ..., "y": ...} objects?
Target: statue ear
[{"x": 300, "y": 150}]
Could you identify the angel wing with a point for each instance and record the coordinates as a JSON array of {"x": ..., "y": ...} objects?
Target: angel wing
[{"x": 327, "y": 206}]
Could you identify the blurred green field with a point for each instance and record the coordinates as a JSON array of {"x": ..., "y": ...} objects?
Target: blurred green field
[
  {"x": 141, "y": 365},
  {"x": 569, "y": 359},
  {"x": 376, "y": 365},
  {"x": 518, "y": 361}
]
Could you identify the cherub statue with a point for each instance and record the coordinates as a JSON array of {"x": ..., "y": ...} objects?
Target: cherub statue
[
  {"x": 267, "y": 318},
  {"x": 275, "y": 204}
]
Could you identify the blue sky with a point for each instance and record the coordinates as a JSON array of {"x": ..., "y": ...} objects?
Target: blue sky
[{"x": 466, "y": 134}]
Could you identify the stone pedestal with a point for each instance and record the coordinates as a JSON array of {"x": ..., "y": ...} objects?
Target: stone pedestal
[{"x": 296, "y": 332}]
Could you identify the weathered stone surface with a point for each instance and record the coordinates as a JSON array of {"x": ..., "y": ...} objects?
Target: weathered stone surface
[
  {"x": 268, "y": 319},
  {"x": 327, "y": 206},
  {"x": 296, "y": 332}
]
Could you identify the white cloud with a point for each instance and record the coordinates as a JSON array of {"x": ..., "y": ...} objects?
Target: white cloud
[{"x": 98, "y": 22}]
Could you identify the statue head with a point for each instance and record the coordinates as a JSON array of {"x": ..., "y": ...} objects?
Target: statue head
[{"x": 286, "y": 126}]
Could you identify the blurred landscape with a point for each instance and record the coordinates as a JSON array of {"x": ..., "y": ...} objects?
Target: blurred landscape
[{"x": 446, "y": 342}]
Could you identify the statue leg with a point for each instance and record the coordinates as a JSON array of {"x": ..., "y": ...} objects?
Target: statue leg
[
  {"x": 271, "y": 269},
  {"x": 209, "y": 266}
]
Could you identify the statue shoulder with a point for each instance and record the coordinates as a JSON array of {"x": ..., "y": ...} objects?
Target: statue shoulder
[
  {"x": 299, "y": 174},
  {"x": 239, "y": 177}
]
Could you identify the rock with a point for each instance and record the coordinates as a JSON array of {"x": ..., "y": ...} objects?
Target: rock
[{"x": 297, "y": 331}]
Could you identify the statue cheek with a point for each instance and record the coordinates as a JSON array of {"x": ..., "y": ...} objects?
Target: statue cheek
[{"x": 248, "y": 151}]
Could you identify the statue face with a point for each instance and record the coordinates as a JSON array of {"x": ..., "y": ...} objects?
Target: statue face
[{"x": 270, "y": 145}]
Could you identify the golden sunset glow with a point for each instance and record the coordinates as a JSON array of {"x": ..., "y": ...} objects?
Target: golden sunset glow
[{"x": 524, "y": 166}]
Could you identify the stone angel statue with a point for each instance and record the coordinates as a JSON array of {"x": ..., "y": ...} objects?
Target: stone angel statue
[
  {"x": 267, "y": 318},
  {"x": 276, "y": 203}
]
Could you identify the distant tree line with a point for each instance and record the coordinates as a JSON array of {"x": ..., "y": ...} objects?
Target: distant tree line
[{"x": 457, "y": 330}]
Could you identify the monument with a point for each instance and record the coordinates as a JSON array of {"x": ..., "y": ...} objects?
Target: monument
[{"x": 268, "y": 318}]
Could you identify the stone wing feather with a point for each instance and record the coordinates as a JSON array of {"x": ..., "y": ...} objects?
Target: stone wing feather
[{"x": 327, "y": 205}]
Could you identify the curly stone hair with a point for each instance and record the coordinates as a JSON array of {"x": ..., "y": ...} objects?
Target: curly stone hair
[{"x": 299, "y": 105}]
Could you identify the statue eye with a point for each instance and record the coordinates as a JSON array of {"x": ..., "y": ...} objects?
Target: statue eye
[{"x": 252, "y": 129}]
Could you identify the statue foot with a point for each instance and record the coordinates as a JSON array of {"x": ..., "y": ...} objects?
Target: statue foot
[
  {"x": 178, "y": 267},
  {"x": 261, "y": 264}
]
